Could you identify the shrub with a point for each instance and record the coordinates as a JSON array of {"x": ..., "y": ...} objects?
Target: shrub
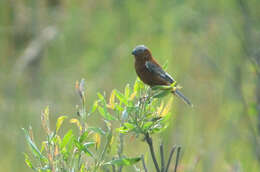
[{"x": 140, "y": 111}]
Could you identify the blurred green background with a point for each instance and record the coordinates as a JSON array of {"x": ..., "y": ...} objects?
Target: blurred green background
[{"x": 211, "y": 48}]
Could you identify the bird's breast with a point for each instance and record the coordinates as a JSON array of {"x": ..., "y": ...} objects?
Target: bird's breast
[{"x": 146, "y": 76}]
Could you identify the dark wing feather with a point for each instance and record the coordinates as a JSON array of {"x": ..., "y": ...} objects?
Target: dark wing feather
[{"x": 156, "y": 69}]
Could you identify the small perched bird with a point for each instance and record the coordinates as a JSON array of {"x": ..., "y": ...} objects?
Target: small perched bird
[{"x": 151, "y": 73}]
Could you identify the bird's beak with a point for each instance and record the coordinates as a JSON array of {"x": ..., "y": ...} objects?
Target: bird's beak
[{"x": 134, "y": 52}]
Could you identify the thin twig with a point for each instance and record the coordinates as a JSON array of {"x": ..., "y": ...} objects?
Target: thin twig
[
  {"x": 170, "y": 158},
  {"x": 150, "y": 143},
  {"x": 162, "y": 158},
  {"x": 177, "y": 158},
  {"x": 145, "y": 169}
]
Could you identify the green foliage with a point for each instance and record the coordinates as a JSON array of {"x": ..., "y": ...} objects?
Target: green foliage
[{"x": 136, "y": 110}]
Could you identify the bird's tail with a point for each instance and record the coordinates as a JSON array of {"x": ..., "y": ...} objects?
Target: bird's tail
[{"x": 182, "y": 97}]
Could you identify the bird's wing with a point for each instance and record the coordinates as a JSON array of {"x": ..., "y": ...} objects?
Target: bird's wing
[{"x": 154, "y": 68}]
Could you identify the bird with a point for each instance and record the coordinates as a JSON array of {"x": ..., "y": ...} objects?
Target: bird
[{"x": 151, "y": 73}]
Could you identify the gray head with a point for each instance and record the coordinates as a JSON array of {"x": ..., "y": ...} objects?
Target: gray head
[{"x": 140, "y": 50}]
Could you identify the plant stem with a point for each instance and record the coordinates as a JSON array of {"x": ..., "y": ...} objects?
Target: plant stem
[
  {"x": 162, "y": 157},
  {"x": 177, "y": 159},
  {"x": 170, "y": 158},
  {"x": 120, "y": 149},
  {"x": 150, "y": 143},
  {"x": 145, "y": 169}
]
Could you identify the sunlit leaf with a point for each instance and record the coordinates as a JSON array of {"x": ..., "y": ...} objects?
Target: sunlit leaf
[
  {"x": 119, "y": 108},
  {"x": 67, "y": 139},
  {"x": 174, "y": 84},
  {"x": 121, "y": 97},
  {"x": 101, "y": 97},
  {"x": 147, "y": 125},
  {"x": 122, "y": 130},
  {"x": 112, "y": 100},
  {"x": 138, "y": 86},
  {"x": 167, "y": 108},
  {"x": 82, "y": 168},
  {"x": 76, "y": 121},
  {"x": 105, "y": 113},
  {"x": 44, "y": 146},
  {"x": 94, "y": 107},
  {"x": 160, "y": 108},
  {"x": 132, "y": 96},
  {"x": 59, "y": 122},
  {"x": 127, "y": 91},
  {"x": 28, "y": 162},
  {"x": 129, "y": 126}
]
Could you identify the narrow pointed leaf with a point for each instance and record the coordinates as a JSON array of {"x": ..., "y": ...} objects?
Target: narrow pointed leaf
[
  {"x": 59, "y": 122},
  {"x": 123, "y": 161}
]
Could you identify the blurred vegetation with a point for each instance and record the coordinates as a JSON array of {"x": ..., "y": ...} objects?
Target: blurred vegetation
[{"x": 211, "y": 48}]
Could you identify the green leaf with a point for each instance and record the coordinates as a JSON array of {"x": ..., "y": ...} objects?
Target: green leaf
[
  {"x": 127, "y": 91},
  {"x": 105, "y": 113},
  {"x": 161, "y": 94},
  {"x": 121, "y": 97},
  {"x": 59, "y": 122},
  {"x": 36, "y": 152},
  {"x": 28, "y": 162},
  {"x": 94, "y": 107},
  {"x": 123, "y": 130},
  {"x": 147, "y": 125},
  {"x": 83, "y": 136},
  {"x": 101, "y": 97},
  {"x": 123, "y": 161},
  {"x": 86, "y": 150},
  {"x": 138, "y": 85},
  {"x": 84, "y": 147},
  {"x": 119, "y": 108},
  {"x": 97, "y": 130},
  {"x": 67, "y": 139},
  {"x": 129, "y": 126}
]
